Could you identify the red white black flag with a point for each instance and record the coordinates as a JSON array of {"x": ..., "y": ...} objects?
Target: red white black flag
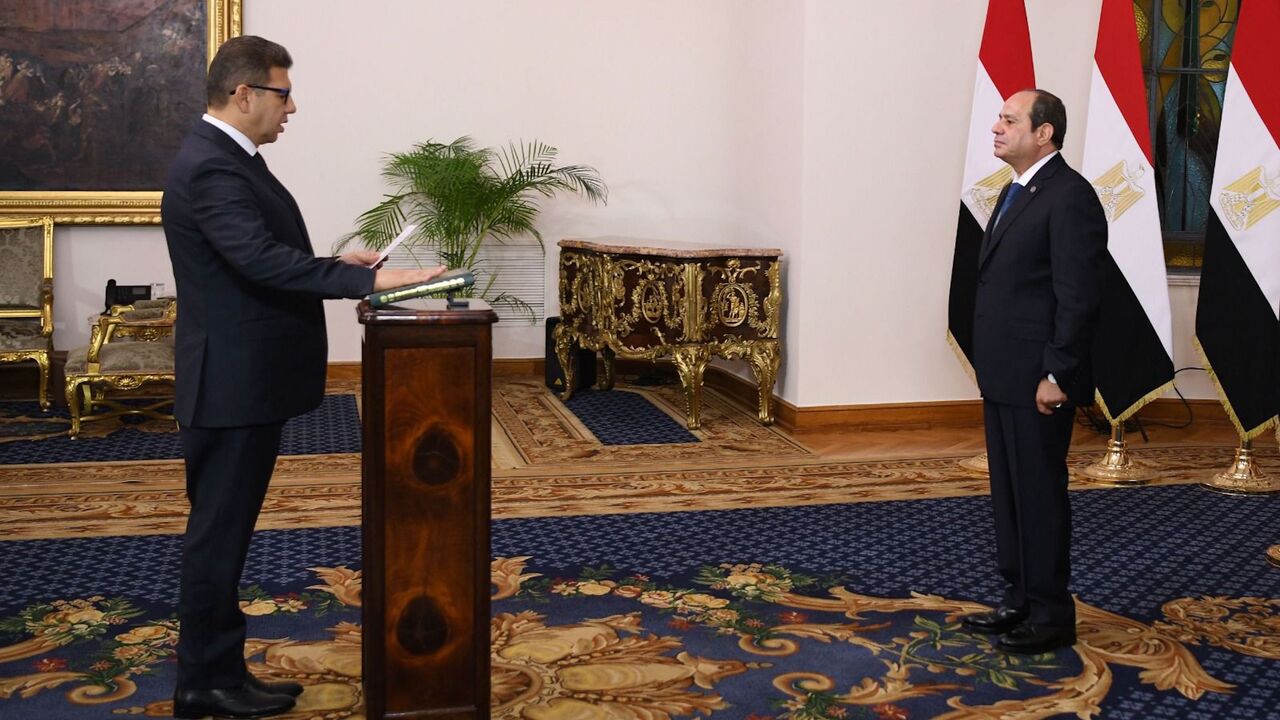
[
  {"x": 1004, "y": 68},
  {"x": 1238, "y": 315},
  {"x": 1133, "y": 351}
]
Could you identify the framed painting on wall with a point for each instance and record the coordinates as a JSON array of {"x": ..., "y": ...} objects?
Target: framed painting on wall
[{"x": 95, "y": 99}]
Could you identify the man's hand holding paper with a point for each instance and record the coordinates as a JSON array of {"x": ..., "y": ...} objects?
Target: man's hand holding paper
[{"x": 375, "y": 258}]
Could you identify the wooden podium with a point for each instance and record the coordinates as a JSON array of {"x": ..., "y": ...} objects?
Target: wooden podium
[{"x": 425, "y": 530}]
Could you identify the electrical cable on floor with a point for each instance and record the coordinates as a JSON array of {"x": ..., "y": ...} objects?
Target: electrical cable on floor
[{"x": 1095, "y": 421}]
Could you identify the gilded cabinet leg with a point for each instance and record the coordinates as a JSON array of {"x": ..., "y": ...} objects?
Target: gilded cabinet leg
[
  {"x": 43, "y": 361},
  {"x": 606, "y": 369},
  {"x": 563, "y": 354},
  {"x": 691, "y": 361},
  {"x": 764, "y": 359}
]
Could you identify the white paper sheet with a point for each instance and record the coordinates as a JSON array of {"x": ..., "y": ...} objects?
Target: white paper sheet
[{"x": 408, "y": 230}]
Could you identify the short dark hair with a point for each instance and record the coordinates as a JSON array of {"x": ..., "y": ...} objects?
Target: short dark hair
[
  {"x": 1048, "y": 108},
  {"x": 243, "y": 60}
]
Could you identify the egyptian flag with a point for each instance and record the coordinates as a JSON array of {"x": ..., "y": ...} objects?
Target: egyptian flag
[
  {"x": 1004, "y": 68},
  {"x": 1238, "y": 315},
  {"x": 1133, "y": 347}
]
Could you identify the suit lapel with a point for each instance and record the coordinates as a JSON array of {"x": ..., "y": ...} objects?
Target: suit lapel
[{"x": 996, "y": 231}]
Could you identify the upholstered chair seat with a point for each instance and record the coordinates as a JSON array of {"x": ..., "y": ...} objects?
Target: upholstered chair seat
[
  {"x": 130, "y": 346},
  {"x": 126, "y": 356},
  {"x": 19, "y": 335}
]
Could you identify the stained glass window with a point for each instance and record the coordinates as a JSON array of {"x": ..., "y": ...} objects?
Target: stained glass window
[{"x": 1186, "y": 46}]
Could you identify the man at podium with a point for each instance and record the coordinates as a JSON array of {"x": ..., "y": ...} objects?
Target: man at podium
[{"x": 250, "y": 353}]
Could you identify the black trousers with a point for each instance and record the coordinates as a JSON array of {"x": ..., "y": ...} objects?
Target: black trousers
[
  {"x": 1027, "y": 458},
  {"x": 228, "y": 470}
]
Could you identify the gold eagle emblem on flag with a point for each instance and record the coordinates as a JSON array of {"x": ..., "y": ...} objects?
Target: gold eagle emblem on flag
[
  {"x": 1251, "y": 198},
  {"x": 986, "y": 191},
  {"x": 1118, "y": 189}
]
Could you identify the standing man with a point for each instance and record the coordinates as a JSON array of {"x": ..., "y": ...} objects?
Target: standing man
[
  {"x": 250, "y": 353},
  {"x": 1039, "y": 288}
]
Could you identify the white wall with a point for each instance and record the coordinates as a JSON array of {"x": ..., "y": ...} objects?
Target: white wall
[
  {"x": 678, "y": 105},
  {"x": 885, "y": 126},
  {"x": 85, "y": 257},
  {"x": 829, "y": 128}
]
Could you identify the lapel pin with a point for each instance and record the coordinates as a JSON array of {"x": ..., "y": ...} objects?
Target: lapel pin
[{"x": 1033, "y": 188}]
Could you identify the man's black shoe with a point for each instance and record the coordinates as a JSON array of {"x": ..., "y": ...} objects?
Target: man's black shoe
[
  {"x": 240, "y": 702},
  {"x": 1032, "y": 639},
  {"x": 292, "y": 689},
  {"x": 1002, "y": 619}
]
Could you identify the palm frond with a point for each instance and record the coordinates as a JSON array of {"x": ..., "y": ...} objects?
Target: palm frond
[
  {"x": 461, "y": 196},
  {"x": 511, "y": 301},
  {"x": 377, "y": 226}
]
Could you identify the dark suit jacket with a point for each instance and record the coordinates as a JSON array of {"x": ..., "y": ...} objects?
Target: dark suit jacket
[
  {"x": 1039, "y": 287},
  {"x": 250, "y": 338}
]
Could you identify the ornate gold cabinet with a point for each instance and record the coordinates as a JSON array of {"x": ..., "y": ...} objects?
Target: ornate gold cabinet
[{"x": 645, "y": 302}]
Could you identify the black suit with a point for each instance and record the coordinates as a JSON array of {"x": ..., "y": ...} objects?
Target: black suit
[
  {"x": 1038, "y": 291},
  {"x": 251, "y": 352}
]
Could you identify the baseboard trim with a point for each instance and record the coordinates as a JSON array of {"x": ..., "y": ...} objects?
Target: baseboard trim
[
  {"x": 506, "y": 367},
  {"x": 1174, "y": 411},
  {"x": 878, "y": 416},
  {"x": 18, "y": 380},
  {"x": 870, "y": 417},
  {"x": 346, "y": 371}
]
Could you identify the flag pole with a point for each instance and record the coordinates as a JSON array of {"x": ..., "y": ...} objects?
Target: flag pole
[
  {"x": 1116, "y": 467},
  {"x": 1244, "y": 477}
]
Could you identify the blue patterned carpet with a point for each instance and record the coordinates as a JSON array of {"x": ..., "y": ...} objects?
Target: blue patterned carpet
[
  {"x": 729, "y": 613},
  {"x": 618, "y": 417},
  {"x": 334, "y": 427}
]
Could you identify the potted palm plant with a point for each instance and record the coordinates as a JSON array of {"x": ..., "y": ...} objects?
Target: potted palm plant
[{"x": 461, "y": 197}]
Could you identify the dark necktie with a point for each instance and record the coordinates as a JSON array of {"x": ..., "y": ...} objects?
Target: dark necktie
[{"x": 1014, "y": 189}]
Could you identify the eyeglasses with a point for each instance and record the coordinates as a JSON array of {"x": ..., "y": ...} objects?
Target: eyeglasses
[{"x": 282, "y": 92}]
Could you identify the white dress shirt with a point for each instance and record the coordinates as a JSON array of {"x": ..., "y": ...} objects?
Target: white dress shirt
[{"x": 241, "y": 139}]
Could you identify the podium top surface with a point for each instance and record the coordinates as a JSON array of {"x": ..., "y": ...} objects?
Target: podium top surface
[
  {"x": 426, "y": 311},
  {"x": 663, "y": 248}
]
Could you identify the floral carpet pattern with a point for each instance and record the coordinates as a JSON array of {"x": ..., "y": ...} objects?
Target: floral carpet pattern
[
  {"x": 773, "y": 643},
  {"x": 740, "y": 640},
  {"x": 738, "y": 577}
]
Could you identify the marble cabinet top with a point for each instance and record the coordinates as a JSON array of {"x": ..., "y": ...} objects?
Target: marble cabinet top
[{"x": 662, "y": 248}]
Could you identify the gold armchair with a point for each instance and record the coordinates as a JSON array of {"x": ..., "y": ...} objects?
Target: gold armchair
[
  {"x": 26, "y": 295},
  {"x": 129, "y": 347}
]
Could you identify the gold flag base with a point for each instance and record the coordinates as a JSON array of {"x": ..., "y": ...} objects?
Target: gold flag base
[
  {"x": 1273, "y": 555},
  {"x": 1243, "y": 477},
  {"x": 976, "y": 464},
  {"x": 1116, "y": 467}
]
